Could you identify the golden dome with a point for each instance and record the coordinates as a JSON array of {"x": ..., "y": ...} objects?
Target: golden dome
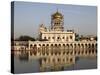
[{"x": 57, "y": 15}]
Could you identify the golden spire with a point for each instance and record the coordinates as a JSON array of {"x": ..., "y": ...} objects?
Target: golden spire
[{"x": 57, "y": 15}]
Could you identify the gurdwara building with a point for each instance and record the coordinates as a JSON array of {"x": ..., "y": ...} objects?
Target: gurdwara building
[{"x": 56, "y": 32}]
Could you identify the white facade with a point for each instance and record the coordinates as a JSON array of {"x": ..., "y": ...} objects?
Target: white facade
[
  {"x": 56, "y": 33},
  {"x": 57, "y": 36}
]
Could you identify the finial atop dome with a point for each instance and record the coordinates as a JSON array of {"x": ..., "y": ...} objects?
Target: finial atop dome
[
  {"x": 57, "y": 9},
  {"x": 57, "y": 14}
]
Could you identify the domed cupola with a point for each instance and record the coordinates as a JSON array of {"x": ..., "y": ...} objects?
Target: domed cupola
[
  {"x": 57, "y": 15},
  {"x": 57, "y": 21}
]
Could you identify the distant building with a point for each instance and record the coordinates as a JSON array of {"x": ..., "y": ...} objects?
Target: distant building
[{"x": 88, "y": 38}]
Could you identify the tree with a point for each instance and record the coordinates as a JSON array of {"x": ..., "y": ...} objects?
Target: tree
[
  {"x": 77, "y": 37},
  {"x": 26, "y": 38}
]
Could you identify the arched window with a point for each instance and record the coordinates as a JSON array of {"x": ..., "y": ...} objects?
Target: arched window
[
  {"x": 71, "y": 59},
  {"x": 66, "y": 38},
  {"x": 59, "y": 44},
  {"x": 35, "y": 45},
  {"x": 89, "y": 45},
  {"x": 58, "y": 37},
  {"x": 31, "y": 45},
  {"x": 44, "y": 37},
  {"x": 82, "y": 45},
  {"x": 43, "y": 44},
  {"x": 56, "y": 45},
  {"x": 92, "y": 45},
  {"x": 63, "y": 44},
  {"x": 63, "y": 38},
  {"x": 74, "y": 45},
  {"x": 71, "y": 45},
  {"x": 58, "y": 59},
  {"x": 70, "y": 37},
  {"x": 51, "y": 44},
  {"x": 48, "y": 37},
  {"x": 53, "y": 37},
  {"x": 47, "y": 44},
  {"x": 39, "y": 44}
]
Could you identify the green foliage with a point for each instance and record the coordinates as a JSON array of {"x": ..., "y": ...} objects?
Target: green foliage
[
  {"x": 26, "y": 38},
  {"x": 77, "y": 37}
]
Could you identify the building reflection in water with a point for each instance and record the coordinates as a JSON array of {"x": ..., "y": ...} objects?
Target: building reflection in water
[{"x": 54, "y": 58}]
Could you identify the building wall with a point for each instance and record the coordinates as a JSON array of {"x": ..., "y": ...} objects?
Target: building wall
[{"x": 62, "y": 37}]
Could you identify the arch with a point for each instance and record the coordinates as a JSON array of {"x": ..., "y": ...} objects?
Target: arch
[
  {"x": 43, "y": 45},
  {"x": 82, "y": 45},
  {"x": 71, "y": 37},
  {"x": 75, "y": 45},
  {"x": 45, "y": 59},
  {"x": 92, "y": 45},
  {"x": 92, "y": 51},
  {"x": 35, "y": 45},
  {"x": 63, "y": 44},
  {"x": 71, "y": 59},
  {"x": 85, "y": 52},
  {"x": 45, "y": 37},
  {"x": 85, "y": 45},
  {"x": 78, "y": 52},
  {"x": 63, "y": 37},
  {"x": 71, "y": 46},
  {"x": 78, "y": 45},
  {"x": 59, "y": 53},
  {"x": 89, "y": 51},
  {"x": 47, "y": 44},
  {"x": 71, "y": 52},
  {"x": 67, "y": 45},
  {"x": 59, "y": 44},
  {"x": 55, "y": 53},
  {"x": 39, "y": 44},
  {"x": 48, "y": 37},
  {"x": 56, "y": 45},
  {"x": 58, "y": 59},
  {"x": 51, "y": 44},
  {"x": 67, "y": 53},
  {"x": 89, "y": 45},
  {"x": 96, "y": 45},
  {"x": 75, "y": 52},
  {"x": 31, "y": 45}
]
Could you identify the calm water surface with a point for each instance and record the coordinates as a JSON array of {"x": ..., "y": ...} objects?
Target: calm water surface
[{"x": 31, "y": 66}]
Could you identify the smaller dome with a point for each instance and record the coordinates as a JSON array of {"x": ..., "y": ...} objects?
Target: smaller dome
[
  {"x": 41, "y": 25},
  {"x": 57, "y": 15}
]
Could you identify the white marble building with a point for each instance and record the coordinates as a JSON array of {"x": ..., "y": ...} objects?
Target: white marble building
[
  {"x": 56, "y": 32},
  {"x": 56, "y": 37}
]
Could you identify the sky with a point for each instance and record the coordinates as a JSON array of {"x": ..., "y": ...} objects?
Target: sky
[{"x": 29, "y": 15}]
